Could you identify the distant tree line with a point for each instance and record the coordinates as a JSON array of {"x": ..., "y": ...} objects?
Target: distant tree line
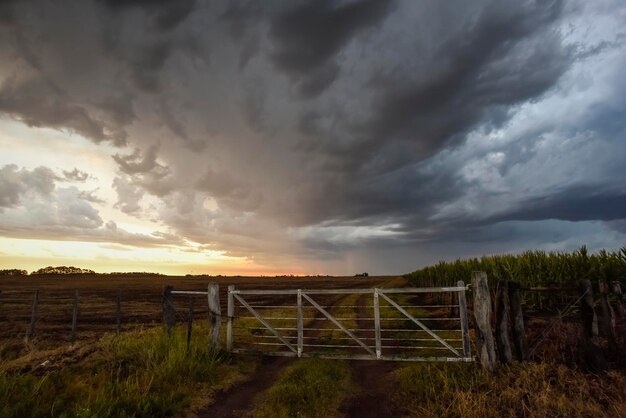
[
  {"x": 13, "y": 272},
  {"x": 63, "y": 270}
]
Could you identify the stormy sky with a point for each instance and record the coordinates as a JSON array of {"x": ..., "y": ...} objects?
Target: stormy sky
[{"x": 323, "y": 137}]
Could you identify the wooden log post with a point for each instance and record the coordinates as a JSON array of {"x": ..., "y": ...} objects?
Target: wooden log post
[
  {"x": 215, "y": 313},
  {"x": 33, "y": 318},
  {"x": 189, "y": 323},
  {"x": 517, "y": 321},
  {"x": 75, "y": 315},
  {"x": 587, "y": 312},
  {"x": 619, "y": 302},
  {"x": 118, "y": 311},
  {"x": 482, "y": 314},
  {"x": 608, "y": 316},
  {"x": 590, "y": 349},
  {"x": 502, "y": 322},
  {"x": 229, "y": 323},
  {"x": 169, "y": 314}
]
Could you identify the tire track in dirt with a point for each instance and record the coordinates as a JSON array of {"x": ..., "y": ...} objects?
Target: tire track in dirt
[
  {"x": 373, "y": 378},
  {"x": 236, "y": 401}
]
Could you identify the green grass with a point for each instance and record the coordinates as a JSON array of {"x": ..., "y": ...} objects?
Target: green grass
[
  {"x": 309, "y": 388},
  {"x": 140, "y": 374},
  {"x": 532, "y": 390}
]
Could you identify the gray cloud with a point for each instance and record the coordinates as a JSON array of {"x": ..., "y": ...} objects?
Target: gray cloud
[
  {"x": 38, "y": 103},
  {"x": 165, "y": 15},
  {"x": 15, "y": 183},
  {"x": 75, "y": 175},
  {"x": 128, "y": 195},
  {"x": 309, "y": 35}
]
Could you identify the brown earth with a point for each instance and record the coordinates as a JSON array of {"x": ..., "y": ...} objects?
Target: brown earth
[
  {"x": 141, "y": 298},
  {"x": 240, "y": 399}
]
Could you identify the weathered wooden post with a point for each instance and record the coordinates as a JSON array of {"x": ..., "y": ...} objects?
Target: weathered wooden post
[
  {"x": 229, "y": 321},
  {"x": 464, "y": 321},
  {"x": 608, "y": 316},
  {"x": 33, "y": 317},
  {"x": 189, "y": 323},
  {"x": 215, "y": 312},
  {"x": 377, "y": 332},
  {"x": 517, "y": 321},
  {"x": 587, "y": 312},
  {"x": 482, "y": 314},
  {"x": 502, "y": 322},
  {"x": 75, "y": 316},
  {"x": 169, "y": 314},
  {"x": 118, "y": 311},
  {"x": 592, "y": 355},
  {"x": 619, "y": 304},
  {"x": 300, "y": 322}
]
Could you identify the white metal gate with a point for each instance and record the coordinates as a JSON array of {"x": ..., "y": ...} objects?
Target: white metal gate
[{"x": 406, "y": 324}]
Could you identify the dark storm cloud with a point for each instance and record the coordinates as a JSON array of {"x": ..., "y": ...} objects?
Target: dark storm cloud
[
  {"x": 7, "y": 12},
  {"x": 576, "y": 204},
  {"x": 166, "y": 14},
  {"x": 39, "y": 103},
  {"x": 506, "y": 57},
  {"x": 308, "y": 36}
]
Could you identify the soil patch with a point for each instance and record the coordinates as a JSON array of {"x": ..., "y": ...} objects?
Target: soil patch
[{"x": 237, "y": 400}]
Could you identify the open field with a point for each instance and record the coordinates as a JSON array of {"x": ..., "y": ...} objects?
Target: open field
[
  {"x": 144, "y": 373},
  {"x": 141, "y": 300}
]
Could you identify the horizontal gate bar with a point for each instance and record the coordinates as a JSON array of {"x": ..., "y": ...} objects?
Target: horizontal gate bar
[
  {"x": 339, "y": 307},
  {"x": 357, "y": 356},
  {"x": 350, "y": 339},
  {"x": 189, "y": 292},
  {"x": 359, "y": 329},
  {"x": 349, "y": 291}
]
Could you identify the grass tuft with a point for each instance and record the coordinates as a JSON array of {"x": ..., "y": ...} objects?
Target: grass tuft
[
  {"x": 145, "y": 373},
  {"x": 544, "y": 389}
]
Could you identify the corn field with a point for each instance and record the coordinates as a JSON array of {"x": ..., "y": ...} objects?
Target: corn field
[{"x": 532, "y": 269}]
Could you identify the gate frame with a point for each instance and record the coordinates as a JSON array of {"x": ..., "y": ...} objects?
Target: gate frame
[{"x": 373, "y": 354}]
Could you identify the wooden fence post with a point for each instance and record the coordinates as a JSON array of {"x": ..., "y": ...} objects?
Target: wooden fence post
[
  {"x": 517, "y": 321},
  {"x": 608, "y": 316},
  {"x": 463, "y": 318},
  {"x": 587, "y": 312},
  {"x": 482, "y": 314},
  {"x": 169, "y": 314},
  {"x": 215, "y": 312},
  {"x": 189, "y": 323},
  {"x": 33, "y": 317},
  {"x": 591, "y": 353},
  {"x": 75, "y": 316},
  {"x": 299, "y": 323},
  {"x": 118, "y": 311},
  {"x": 619, "y": 304},
  {"x": 502, "y": 322},
  {"x": 229, "y": 322}
]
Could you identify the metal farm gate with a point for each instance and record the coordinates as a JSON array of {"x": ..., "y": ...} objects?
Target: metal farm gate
[{"x": 407, "y": 324}]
